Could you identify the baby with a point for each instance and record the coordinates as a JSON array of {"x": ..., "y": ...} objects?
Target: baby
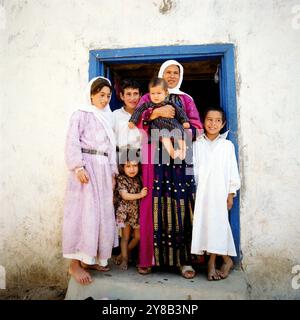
[{"x": 168, "y": 127}]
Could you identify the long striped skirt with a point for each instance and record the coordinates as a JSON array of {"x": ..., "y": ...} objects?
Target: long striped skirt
[{"x": 173, "y": 205}]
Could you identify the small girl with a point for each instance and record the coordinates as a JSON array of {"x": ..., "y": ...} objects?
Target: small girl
[
  {"x": 89, "y": 229},
  {"x": 216, "y": 170},
  {"x": 129, "y": 188},
  {"x": 168, "y": 127}
]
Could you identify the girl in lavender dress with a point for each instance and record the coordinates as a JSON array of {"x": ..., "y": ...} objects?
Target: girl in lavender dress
[{"x": 89, "y": 229}]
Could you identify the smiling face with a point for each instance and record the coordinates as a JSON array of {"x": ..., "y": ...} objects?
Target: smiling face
[
  {"x": 101, "y": 98},
  {"x": 213, "y": 124},
  {"x": 157, "y": 94},
  {"x": 172, "y": 75},
  {"x": 131, "y": 169},
  {"x": 130, "y": 98}
]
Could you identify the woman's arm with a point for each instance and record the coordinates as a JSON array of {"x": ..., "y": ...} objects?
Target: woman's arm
[
  {"x": 167, "y": 111},
  {"x": 193, "y": 115},
  {"x": 137, "y": 114},
  {"x": 191, "y": 111}
]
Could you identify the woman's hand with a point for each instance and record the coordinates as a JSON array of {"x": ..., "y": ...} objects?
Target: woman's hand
[
  {"x": 166, "y": 111},
  {"x": 82, "y": 175}
]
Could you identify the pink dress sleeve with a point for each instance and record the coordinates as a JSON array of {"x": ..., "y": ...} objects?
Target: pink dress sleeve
[
  {"x": 145, "y": 98},
  {"x": 191, "y": 111},
  {"x": 73, "y": 153},
  {"x": 143, "y": 123}
]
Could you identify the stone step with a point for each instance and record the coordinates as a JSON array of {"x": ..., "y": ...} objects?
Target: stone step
[{"x": 130, "y": 285}]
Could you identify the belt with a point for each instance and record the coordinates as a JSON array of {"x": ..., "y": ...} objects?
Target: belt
[{"x": 93, "y": 151}]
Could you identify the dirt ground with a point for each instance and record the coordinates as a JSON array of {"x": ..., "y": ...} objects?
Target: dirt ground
[{"x": 34, "y": 293}]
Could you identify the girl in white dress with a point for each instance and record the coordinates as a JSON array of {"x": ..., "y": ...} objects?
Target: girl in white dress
[{"x": 218, "y": 180}]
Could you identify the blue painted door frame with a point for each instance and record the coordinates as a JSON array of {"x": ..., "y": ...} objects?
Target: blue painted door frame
[{"x": 98, "y": 66}]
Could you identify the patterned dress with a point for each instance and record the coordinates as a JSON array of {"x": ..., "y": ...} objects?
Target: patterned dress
[{"x": 127, "y": 212}]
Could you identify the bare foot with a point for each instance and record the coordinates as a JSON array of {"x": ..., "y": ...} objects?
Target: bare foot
[
  {"x": 95, "y": 267},
  {"x": 226, "y": 267},
  {"x": 124, "y": 264},
  {"x": 78, "y": 273},
  {"x": 118, "y": 259},
  {"x": 213, "y": 273}
]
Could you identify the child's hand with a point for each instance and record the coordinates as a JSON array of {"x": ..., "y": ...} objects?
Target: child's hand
[
  {"x": 82, "y": 175},
  {"x": 186, "y": 125},
  {"x": 131, "y": 125},
  {"x": 144, "y": 192},
  {"x": 229, "y": 201}
]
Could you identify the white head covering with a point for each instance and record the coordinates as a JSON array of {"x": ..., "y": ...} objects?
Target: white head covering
[
  {"x": 104, "y": 115},
  {"x": 162, "y": 69}
]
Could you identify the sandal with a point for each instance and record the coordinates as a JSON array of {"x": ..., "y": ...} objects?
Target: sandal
[
  {"x": 144, "y": 270},
  {"x": 187, "y": 272},
  {"x": 103, "y": 268},
  {"x": 95, "y": 267}
]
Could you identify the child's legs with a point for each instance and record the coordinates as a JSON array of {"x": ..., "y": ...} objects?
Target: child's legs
[
  {"x": 135, "y": 240},
  {"x": 212, "y": 260},
  {"x": 212, "y": 273},
  {"x": 226, "y": 259},
  {"x": 124, "y": 242},
  {"x": 168, "y": 145},
  {"x": 182, "y": 147},
  {"x": 226, "y": 266},
  {"x": 182, "y": 144}
]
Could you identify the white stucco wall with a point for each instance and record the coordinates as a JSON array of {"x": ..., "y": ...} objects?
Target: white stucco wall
[{"x": 44, "y": 67}]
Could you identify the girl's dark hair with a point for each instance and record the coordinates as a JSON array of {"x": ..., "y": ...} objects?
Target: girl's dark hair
[
  {"x": 130, "y": 83},
  {"x": 158, "y": 82},
  {"x": 219, "y": 109},
  {"x": 98, "y": 84},
  {"x": 127, "y": 155}
]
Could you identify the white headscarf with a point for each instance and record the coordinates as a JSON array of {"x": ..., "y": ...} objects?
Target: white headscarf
[
  {"x": 103, "y": 115},
  {"x": 162, "y": 69}
]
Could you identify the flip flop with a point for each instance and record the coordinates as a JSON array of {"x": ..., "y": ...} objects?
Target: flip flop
[
  {"x": 144, "y": 270},
  {"x": 103, "y": 268},
  {"x": 185, "y": 270},
  {"x": 95, "y": 267}
]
